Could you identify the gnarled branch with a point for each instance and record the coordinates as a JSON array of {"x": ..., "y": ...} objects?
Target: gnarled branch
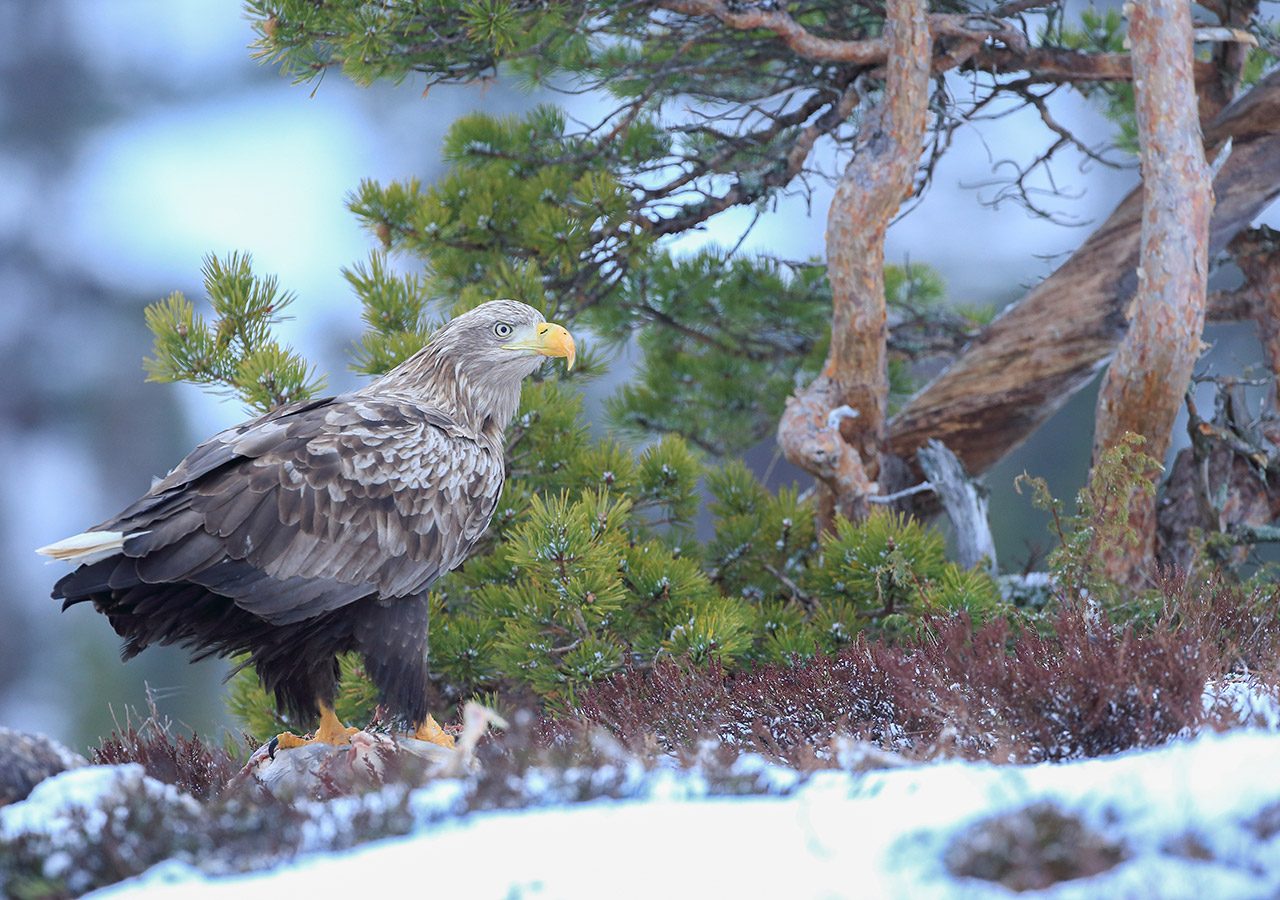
[{"x": 867, "y": 197}]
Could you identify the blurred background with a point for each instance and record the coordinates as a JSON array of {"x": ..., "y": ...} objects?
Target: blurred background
[{"x": 138, "y": 135}]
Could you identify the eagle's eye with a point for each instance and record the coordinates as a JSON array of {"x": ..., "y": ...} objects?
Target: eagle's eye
[{"x": 502, "y": 329}]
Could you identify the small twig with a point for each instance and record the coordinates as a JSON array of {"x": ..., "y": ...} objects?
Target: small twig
[
  {"x": 899, "y": 495},
  {"x": 796, "y": 591}
]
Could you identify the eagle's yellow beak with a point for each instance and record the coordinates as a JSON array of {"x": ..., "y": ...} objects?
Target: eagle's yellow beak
[{"x": 549, "y": 339}]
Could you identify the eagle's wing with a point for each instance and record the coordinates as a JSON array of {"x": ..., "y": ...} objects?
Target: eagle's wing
[{"x": 310, "y": 508}]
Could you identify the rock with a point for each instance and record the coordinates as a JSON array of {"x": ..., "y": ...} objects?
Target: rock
[
  {"x": 28, "y": 759},
  {"x": 1032, "y": 849}
]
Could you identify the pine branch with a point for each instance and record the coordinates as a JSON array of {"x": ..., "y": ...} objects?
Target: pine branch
[{"x": 234, "y": 353}]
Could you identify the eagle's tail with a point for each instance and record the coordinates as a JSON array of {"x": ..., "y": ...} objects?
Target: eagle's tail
[{"x": 88, "y": 547}]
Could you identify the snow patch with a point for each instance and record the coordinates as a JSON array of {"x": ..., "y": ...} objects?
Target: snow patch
[{"x": 1196, "y": 818}]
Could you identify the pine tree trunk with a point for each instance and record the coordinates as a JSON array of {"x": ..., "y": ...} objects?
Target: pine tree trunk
[
  {"x": 840, "y": 447},
  {"x": 1257, "y": 253},
  {"x": 1145, "y": 385}
]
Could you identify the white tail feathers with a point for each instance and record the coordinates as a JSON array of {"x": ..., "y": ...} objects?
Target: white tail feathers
[{"x": 89, "y": 547}]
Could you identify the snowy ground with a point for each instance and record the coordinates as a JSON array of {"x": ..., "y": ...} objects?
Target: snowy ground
[
  {"x": 879, "y": 834},
  {"x": 1197, "y": 818}
]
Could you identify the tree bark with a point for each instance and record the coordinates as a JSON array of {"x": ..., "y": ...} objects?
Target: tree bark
[
  {"x": 867, "y": 197},
  {"x": 1144, "y": 386},
  {"x": 1257, "y": 253},
  {"x": 1228, "y": 481},
  {"x": 1051, "y": 343}
]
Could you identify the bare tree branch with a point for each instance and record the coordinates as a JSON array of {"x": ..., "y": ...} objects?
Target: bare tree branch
[
  {"x": 1012, "y": 53},
  {"x": 871, "y": 51},
  {"x": 1050, "y": 343},
  {"x": 1060, "y": 65},
  {"x": 1223, "y": 486}
]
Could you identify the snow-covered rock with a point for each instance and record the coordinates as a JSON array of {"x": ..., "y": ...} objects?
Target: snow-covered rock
[
  {"x": 28, "y": 759},
  {"x": 69, "y": 820}
]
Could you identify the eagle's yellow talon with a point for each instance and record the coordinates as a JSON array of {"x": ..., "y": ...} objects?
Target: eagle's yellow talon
[
  {"x": 287, "y": 740},
  {"x": 331, "y": 731},
  {"x": 431, "y": 732}
]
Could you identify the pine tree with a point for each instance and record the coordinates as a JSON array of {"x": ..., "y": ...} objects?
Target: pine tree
[
  {"x": 591, "y": 562},
  {"x": 715, "y": 106},
  {"x": 568, "y": 218}
]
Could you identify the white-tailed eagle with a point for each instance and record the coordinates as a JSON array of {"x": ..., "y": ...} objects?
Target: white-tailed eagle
[{"x": 318, "y": 528}]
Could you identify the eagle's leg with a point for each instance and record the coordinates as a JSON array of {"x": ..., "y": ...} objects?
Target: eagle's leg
[
  {"x": 392, "y": 636},
  {"x": 331, "y": 731},
  {"x": 431, "y": 732}
]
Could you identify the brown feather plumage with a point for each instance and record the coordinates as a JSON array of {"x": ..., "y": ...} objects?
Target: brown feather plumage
[{"x": 319, "y": 527}]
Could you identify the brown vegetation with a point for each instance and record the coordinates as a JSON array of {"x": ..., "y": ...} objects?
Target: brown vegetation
[
  {"x": 1032, "y": 849},
  {"x": 999, "y": 693}
]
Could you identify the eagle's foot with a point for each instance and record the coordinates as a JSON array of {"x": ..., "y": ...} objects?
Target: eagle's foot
[
  {"x": 431, "y": 732},
  {"x": 331, "y": 731}
]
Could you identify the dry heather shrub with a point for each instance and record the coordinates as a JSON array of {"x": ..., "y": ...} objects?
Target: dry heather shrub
[
  {"x": 1001, "y": 692},
  {"x": 183, "y": 761}
]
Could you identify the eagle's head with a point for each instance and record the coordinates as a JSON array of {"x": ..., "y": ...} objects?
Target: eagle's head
[
  {"x": 504, "y": 339},
  {"x": 474, "y": 364}
]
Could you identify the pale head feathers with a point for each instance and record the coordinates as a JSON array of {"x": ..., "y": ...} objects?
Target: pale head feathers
[{"x": 473, "y": 366}]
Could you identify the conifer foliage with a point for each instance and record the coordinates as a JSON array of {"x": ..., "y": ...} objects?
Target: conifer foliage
[
  {"x": 234, "y": 352},
  {"x": 591, "y": 564}
]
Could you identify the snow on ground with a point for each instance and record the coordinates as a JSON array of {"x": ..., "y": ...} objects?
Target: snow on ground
[
  {"x": 1251, "y": 701},
  {"x": 877, "y": 834}
]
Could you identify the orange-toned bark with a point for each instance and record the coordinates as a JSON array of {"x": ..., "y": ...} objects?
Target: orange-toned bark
[
  {"x": 1148, "y": 377},
  {"x": 867, "y": 197}
]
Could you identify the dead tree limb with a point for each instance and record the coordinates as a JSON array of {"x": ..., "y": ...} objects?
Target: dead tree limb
[
  {"x": 1051, "y": 343},
  {"x": 966, "y": 506},
  {"x": 867, "y": 197},
  {"x": 1223, "y": 487}
]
